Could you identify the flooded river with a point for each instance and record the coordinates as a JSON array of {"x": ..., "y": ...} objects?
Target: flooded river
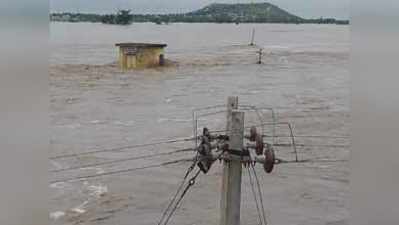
[{"x": 304, "y": 77}]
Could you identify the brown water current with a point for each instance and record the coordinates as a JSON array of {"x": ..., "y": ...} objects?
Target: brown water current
[{"x": 304, "y": 77}]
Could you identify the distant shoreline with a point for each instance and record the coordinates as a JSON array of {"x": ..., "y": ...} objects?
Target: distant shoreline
[
  {"x": 88, "y": 18},
  {"x": 213, "y": 13},
  {"x": 149, "y": 22}
]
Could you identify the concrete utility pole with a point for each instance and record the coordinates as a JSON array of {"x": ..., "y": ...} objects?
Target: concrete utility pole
[
  {"x": 253, "y": 38},
  {"x": 232, "y": 167}
]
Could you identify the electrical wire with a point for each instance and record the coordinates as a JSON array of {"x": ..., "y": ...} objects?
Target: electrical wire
[
  {"x": 257, "y": 109},
  {"x": 240, "y": 106},
  {"x": 311, "y": 145},
  {"x": 189, "y": 170},
  {"x": 119, "y": 171},
  {"x": 190, "y": 184},
  {"x": 310, "y": 136},
  {"x": 249, "y": 127},
  {"x": 280, "y": 161},
  {"x": 121, "y": 148},
  {"x": 120, "y": 160},
  {"x": 255, "y": 196},
  {"x": 260, "y": 193},
  {"x": 274, "y": 124}
]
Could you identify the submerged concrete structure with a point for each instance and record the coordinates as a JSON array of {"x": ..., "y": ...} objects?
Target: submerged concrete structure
[{"x": 140, "y": 55}]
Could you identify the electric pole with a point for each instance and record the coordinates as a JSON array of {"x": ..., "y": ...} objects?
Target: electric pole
[
  {"x": 232, "y": 167},
  {"x": 252, "y": 38}
]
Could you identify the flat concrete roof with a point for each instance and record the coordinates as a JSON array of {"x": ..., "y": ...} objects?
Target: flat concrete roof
[{"x": 141, "y": 45}]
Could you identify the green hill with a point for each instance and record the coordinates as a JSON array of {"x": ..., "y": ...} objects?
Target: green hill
[{"x": 255, "y": 12}]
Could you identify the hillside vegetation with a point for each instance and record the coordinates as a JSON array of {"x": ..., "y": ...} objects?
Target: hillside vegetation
[{"x": 257, "y": 12}]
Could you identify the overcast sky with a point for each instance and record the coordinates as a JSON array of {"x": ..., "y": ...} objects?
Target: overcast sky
[{"x": 304, "y": 8}]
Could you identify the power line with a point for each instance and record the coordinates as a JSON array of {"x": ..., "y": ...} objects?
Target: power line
[
  {"x": 310, "y": 136},
  {"x": 255, "y": 196},
  {"x": 121, "y": 148},
  {"x": 189, "y": 170},
  {"x": 311, "y": 145},
  {"x": 119, "y": 171},
  {"x": 280, "y": 161},
  {"x": 120, "y": 160},
  {"x": 260, "y": 193},
  {"x": 190, "y": 184},
  {"x": 249, "y": 127}
]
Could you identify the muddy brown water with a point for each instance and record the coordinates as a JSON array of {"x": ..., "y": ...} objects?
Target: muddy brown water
[{"x": 94, "y": 105}]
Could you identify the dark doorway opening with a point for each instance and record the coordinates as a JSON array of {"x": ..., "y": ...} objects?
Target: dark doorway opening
[{"x": 161, "y": 59}]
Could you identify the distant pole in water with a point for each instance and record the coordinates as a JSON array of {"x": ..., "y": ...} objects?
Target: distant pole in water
[
  {"x": 253, "y": 38},
  {"x": 260, "y": 52}
]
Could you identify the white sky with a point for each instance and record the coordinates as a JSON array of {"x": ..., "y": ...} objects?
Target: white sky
[{"x": 304, "y": 8}]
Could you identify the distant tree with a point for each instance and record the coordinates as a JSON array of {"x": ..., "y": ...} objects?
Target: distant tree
[
  {"x": 108, "y": 19},
  {"x": 156, "y": 20},
  {"x": 124, "y": 17}
]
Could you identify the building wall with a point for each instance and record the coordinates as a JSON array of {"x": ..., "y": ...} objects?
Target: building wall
[
  {"x": 146, "y": 57},
  {"x": 121, "y": 58},
  {"x": 131, "y": 61},
  {"x": 149, "y": 57}
]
